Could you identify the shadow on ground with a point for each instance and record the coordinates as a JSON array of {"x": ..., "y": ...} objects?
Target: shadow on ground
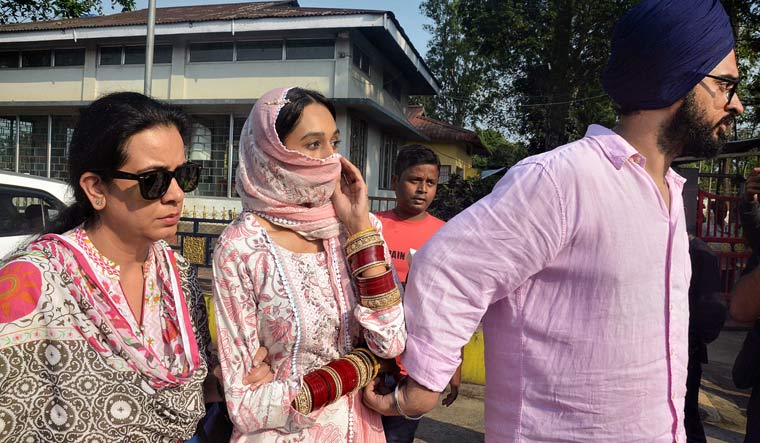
[{"x": 434, "y": 431}]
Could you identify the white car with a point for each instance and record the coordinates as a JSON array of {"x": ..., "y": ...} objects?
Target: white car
[{"x": 27, "y": 204}]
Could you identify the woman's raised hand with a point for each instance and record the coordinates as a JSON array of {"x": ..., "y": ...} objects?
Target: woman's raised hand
[{"x": 350, "y": 198}]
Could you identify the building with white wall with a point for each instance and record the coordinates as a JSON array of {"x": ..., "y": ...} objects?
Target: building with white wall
[{"x": 214, "y": 61}]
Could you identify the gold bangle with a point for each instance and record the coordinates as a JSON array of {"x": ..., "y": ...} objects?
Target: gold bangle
[
  {"x": 360, "y": 233},
  {"x": 382, "y": 301},
  {"x": 362, "y": 243},
  {"x": 303, "y": 402},
  {"x": 366, "y": 364},
  {"x": 336, "y": 378},
  {"x": 357, "y": 245},
  {"x": 362, "y": 238},
  {"x": 375, "y": 366},
  {"x": 361, "y": 269},
  {"x": 361, "y": 370}
]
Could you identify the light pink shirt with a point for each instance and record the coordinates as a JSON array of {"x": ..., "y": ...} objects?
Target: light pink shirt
[{"x": 581, "y": 277}]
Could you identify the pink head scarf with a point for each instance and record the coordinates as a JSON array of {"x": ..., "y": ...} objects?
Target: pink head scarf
[{"x": 292, "y": 189}]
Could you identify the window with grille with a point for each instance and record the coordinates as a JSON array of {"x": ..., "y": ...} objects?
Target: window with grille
[
  {"x": 237, "y": 128},
  {"x": 69, "y": 57},
  {"x": 388, "y": 153},
  {"x": 361, "y": 60},
  {"x": 8, "y": 142},
  {"x": 444, "y": 174},
  {"x": 62, "y": 131},
  {"x": 357, "y": 152},
  {"x": 33, "y": 134},
  {"x": 133, "y": 55},
  {"x": 309, "y": 49},
  {"x": 9, "y": 59},
  {"x": 36, "y": 59},
  {"x": 260, "y": 50},
  {"x": 209, "y": 146},
  {"x": 392, "y": 84}
]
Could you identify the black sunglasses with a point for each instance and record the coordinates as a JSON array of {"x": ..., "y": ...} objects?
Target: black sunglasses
[
  {"x": 731, "y": 91},
  {"x": 154, "y": 184}
]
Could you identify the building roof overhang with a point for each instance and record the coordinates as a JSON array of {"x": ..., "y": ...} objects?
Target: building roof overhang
[{"x": 380, "y": 27}]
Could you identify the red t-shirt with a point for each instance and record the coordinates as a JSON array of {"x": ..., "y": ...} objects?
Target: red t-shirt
[{"x": 402, "y": 235}]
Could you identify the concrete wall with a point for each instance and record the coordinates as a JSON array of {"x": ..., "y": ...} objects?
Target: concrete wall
[
  {"x": 131, "y": 78},
  {"x": 252, "y": 79},
  {"x": 41, "y": 84}
]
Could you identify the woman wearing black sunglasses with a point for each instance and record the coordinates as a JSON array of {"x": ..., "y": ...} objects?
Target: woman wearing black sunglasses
[{"x": 104, "y": 335}]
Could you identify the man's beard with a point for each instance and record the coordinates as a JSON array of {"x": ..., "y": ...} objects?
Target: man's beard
[{"x": 689, "y": 133}]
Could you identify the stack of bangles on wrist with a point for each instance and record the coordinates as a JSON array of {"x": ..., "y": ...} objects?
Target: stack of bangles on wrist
[
  {"x": 327, "y": 384},
  {"x": 365, "y": 250}
]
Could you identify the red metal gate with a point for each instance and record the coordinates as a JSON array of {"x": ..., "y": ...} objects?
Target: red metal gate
[{"x": 718, "y": 225}]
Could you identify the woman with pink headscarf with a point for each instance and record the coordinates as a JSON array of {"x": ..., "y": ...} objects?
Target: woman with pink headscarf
[{"x": 304, "y": 272}]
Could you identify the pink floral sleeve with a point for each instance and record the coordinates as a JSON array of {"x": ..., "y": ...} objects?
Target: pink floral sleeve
[
  {"x": 235, "y": 302},
  {"x": 384, "y": 330}
]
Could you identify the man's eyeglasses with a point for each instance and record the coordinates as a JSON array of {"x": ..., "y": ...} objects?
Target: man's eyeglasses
[
  {"x": 731, "y": 89},
  {"x": 154, "y": 184}
]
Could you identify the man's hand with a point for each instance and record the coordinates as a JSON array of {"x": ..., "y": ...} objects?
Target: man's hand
[
  {"x": 413, "y": 399},
  {"x": 456, "y": 380},
  {"x": 752, "y": 185}
]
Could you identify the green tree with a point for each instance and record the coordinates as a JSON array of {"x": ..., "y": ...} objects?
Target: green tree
[
  {"x": 537, "y": 64},
  {"x": 745, "y": 17},
  {"x": 501, "y": 152},
  {"x": 16, "y": 11},
  {"x": 466, "y": 81},
  {"x": 550, "y": 54}
]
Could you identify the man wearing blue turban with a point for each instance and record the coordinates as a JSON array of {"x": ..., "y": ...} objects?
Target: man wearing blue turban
[
  {"x": 578, "y": 261},
  {"x": 673, "y": 63}
]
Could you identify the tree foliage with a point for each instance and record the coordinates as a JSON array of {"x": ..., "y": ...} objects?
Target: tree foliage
[
  {"x": 552, "y": 52},
  {"x": 531, "y": 68},
  {"x": 458, "y": 194},
  {"x": 502, "y": 153},
  {"x": 16, "y": 11},
  {"x": 466, "y": 81},
  {"x": 745, "y": 16}
]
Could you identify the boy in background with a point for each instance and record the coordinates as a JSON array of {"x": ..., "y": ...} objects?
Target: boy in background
[{"x": 406, "y": 228}]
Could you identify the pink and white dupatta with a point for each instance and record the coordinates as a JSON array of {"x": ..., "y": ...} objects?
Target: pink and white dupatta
[{"x": 283, "y": 183}]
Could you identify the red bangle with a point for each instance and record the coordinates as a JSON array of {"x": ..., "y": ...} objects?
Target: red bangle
[
  {"x": 348, "y": 376},
  {"x": 376, "y": 285},
  {"x": 365, "y": 256},
  {"x": 319, "y": 389}
]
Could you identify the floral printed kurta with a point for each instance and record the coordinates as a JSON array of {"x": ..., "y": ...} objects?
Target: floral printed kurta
[
  {"x": 285, "y": 301},
  {"x": 74, "y": 364}
]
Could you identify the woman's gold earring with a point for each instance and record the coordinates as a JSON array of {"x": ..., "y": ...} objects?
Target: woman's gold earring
[{"x": 98, "y": 202}]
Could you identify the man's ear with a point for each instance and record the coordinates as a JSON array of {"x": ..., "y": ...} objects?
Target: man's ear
[{"x": 94, "y": 188}]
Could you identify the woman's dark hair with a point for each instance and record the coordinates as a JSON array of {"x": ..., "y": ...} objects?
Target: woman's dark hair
[
  {"x": 290, "y": 114},
  {"x": 97, "y": 144},
  {"x": 413, "y": 155}
]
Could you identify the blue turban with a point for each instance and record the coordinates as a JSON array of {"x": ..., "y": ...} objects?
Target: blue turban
[{"x": 662, "y": 48}]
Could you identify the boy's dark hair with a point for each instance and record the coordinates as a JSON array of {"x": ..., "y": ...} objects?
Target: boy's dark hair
[{"x": 413, "y": 155}]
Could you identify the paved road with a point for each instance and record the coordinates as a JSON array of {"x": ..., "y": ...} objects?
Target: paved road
[{"x": 723, "y": 404}]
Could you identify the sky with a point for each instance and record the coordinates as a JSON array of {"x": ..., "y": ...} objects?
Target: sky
[{"x": 407, "y": 12}]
